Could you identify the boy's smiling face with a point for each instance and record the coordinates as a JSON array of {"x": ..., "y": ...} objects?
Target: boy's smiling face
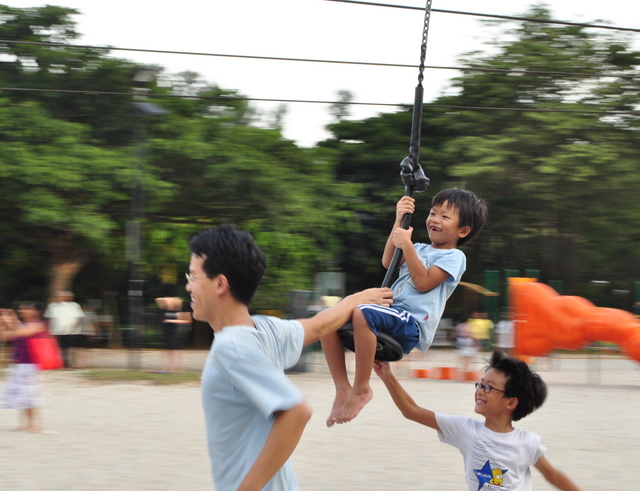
[
  {"x": 493, "y": 403},
  {"x": 443, "y": 226}
]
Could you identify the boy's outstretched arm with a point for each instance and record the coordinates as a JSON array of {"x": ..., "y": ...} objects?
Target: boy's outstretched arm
[
  {"x": 332, "y": 319},
  {"x": 402, "y": 399},
  {"x": 556, "y": 477},
  {"x": 281, "y": 442}
]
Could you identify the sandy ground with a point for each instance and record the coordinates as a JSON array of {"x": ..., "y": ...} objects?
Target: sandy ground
[{"x": 142, "y": 437}]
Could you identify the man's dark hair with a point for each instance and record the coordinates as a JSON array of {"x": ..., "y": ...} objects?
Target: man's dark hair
[
  {"x": 233, "y": 253},
  {"x": 472, "y": 211},
  {"x": 522, "y": 383}
]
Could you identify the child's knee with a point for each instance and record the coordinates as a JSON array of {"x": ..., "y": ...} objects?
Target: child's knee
[{"x": 358, "y": 319}]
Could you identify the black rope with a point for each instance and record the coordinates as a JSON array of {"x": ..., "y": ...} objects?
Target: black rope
[
  {"x": 423, "y": 46},
  {"x": 411, "y": 173}
]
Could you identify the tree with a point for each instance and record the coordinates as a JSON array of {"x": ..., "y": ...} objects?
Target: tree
[
  {"x": 341, "y": 110},
  {"x": 63, "y": 197},
  {"x": 559, "y": 184},
  {"x": 37, "y": 68},
  {"x": 286, "y": 196},
  {"x": 553, "y": 172},
  {"x": 68, "y": 159}
]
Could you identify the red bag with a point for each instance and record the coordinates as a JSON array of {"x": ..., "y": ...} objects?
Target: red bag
[{"x": 45, "y": 352}]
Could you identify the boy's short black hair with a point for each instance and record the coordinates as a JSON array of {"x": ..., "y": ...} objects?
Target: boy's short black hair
[
  {"x": 232, "y": 252},
  {"x": 522, "y": 383},
  {"x": 472, "y": 211}
]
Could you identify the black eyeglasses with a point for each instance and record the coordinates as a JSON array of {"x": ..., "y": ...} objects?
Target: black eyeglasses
[{"x": 487, "y": 388}]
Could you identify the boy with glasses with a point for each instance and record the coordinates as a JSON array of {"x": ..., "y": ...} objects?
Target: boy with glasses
[{"x": 496, "y": 455}]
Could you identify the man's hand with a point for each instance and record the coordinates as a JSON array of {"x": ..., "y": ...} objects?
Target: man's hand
[
  {"x": 330, "y": 320},
  {"x": 376, "y": 296}
]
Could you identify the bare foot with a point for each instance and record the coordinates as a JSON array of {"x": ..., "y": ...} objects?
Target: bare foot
[
  {"x": 353, "y": 405},
  {"x": 341, "y": 397}
]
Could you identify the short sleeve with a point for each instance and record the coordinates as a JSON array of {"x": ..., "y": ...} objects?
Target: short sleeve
[
  {"x": 266, "y": 386},
  {"x": 256, "y": 377},
  {"x": 540, "y": 452},
  {"x": 453, "y": 261},
  {"x": 453, "y": 428},
  {"x": 283, "y": 339}
]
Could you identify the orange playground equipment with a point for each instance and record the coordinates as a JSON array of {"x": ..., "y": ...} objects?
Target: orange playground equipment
[{"x": 545, "y": 321}]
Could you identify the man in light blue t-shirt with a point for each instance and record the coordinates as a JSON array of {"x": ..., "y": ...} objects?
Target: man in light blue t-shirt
[{"x": 254, "y": 415}]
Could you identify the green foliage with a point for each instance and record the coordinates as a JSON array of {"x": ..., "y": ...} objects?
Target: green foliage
[
  {"x": 548, "y": 176},
  {"x": 64, "y": 198},
  {"x": 286, "y": 196},
  {"x": 561, "y": 185},
  {"x": 32, "y": 66}
]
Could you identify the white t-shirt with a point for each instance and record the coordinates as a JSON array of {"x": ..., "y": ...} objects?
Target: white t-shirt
[
  {"x": 63, "y": 318},
  {"x": 497, "y": 461},
  {"x": 243, "y": 385}
]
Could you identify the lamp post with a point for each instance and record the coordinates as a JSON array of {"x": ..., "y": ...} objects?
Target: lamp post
[{"x": 141, "y": 109}]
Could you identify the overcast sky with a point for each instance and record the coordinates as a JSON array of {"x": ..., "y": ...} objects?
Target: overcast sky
[{"x": 313, "y": 29}]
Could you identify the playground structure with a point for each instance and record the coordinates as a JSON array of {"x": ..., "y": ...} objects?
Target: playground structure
[{"x": 545, "y": 321}]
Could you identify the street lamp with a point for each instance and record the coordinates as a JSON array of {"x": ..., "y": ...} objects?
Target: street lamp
[{"x": 142, "y": 78}]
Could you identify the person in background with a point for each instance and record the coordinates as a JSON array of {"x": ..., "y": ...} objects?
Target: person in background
[
  {"x": 466, "y": 346},
  {"x": 89, "y": 332},
  {"x": 174, "y": 319},
  {"x": 504, "y": 333},
  {"x": 481, "y": 329},
  {"x": 65, "y": 322},
  {"x": 23, "y": 390}
]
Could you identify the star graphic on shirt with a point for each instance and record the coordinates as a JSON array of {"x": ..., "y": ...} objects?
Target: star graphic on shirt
[{"x": 485, "y": 475}]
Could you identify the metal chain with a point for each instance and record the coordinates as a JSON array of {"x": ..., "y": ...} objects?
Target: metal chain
[{"x": 425, "y": 34}]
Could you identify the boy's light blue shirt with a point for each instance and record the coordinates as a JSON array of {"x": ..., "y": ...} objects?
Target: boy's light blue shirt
[
  {"x": 427, "y": 307},
  {"x": 243, "y": 385}
]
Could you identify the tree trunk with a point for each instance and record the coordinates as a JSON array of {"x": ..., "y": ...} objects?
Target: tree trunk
[{"x": 65, "y": 265}]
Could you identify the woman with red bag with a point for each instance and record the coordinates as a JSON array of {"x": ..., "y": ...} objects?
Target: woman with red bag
[{"x": 23, "y": 390}]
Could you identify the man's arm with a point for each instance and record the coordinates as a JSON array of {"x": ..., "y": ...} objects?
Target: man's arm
[
  {"x": 281, "y": 442},
  {"x": 402, "y": 399},
  {"x": 556, "y": 477},
  {"x": 333, "y": 318}
]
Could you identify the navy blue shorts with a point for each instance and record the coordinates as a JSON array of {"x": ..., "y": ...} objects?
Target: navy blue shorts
[{"x": 397, "y": 323}]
